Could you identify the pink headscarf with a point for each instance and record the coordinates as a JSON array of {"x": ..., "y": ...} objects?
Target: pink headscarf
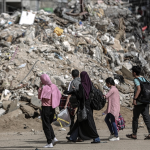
[{"x": 50, "y": 91}]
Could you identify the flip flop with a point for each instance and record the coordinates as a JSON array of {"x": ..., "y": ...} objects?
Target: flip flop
[{"x": 131, "y": 136}]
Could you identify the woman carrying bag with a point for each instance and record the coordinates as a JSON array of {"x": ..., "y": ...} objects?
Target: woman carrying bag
[
  {"x": 113, "y": 109},
  {"x": 84, "y": 128}
]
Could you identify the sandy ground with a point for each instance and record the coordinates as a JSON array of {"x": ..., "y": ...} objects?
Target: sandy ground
[
  {"x": 21, "y": 124},
  {"x": 18, "y": 134},
  {"x": 31, "y": 141}
]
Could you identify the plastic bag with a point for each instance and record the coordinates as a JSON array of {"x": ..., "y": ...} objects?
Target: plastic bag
[{"x": 63, "y": 119}]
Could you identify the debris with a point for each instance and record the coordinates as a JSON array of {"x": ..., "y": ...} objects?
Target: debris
[
  {"x": 13, "y": 106},
  {"x": 5, "y": 95},
  {"x": 36, "y": 102},
  {"x": 127, "y": 73},
  {"x": 6, "y": 104},
  {"x": 27, "y": 110},
  {"x": 58, "y": 31},
  {"x": 106, "y": 40},
  {"x": 27, "y": 18},
  {"x": 2, "y": 111},
  {"x": 1, "y": 105},
  {"x": 22, "y": 66}
]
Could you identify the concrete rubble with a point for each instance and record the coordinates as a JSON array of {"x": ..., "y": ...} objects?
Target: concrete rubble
[{"x": 106, "y": 44}]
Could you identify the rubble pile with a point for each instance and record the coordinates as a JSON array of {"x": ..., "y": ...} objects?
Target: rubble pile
[{"x": 106, "y": 44}]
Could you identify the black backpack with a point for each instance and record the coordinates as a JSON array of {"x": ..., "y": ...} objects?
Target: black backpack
[
  {"x": 97, "y": 99},
  {"x": 144, "y": 96}
]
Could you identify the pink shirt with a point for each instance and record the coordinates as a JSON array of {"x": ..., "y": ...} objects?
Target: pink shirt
[
  {"x": 113, "y": 106},
  {"x": 45, "y": 102}
]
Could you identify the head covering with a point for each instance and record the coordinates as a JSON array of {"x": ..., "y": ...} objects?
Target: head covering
[
  {"x": 86, "y": 83},
  {"x": 50, "y": 91}
]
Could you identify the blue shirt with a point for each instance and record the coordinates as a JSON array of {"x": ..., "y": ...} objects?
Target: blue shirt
[{"x": 137, "y": 83}]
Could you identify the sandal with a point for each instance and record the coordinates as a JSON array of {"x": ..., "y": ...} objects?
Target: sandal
[
  {"x": 68, "y": 138},
  {"x": 147, "y": 137},
  {"x": 131, "y": 136},
  {"x": 79, "y": 140}
]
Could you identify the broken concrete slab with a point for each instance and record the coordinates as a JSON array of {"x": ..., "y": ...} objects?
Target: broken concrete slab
[
  {"x": 2, "y": 111},
  {"x": 6, "y": 104},
  {"x": 25, "y": 97},
  {"x": 127, "y": 73},
  {"x": 36, "y": 102},
  {"x": 13, "y": 106},
  {"x": 27, "y": 110}
]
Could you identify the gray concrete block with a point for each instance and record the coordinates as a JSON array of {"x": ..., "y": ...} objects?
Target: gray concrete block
[{"x": 35, "y": 101}]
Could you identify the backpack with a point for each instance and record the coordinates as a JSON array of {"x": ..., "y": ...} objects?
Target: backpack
[
  {"x": 144, "y": 96},
  {"x": 120, "y": 123},
  {"x": 97, "y": 99}
]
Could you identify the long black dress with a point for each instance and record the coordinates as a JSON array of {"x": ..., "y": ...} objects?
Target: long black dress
[{"x": 87, "y": 129}]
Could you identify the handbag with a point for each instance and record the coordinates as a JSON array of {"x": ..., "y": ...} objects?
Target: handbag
[
  {"x": 82, "y": 113},
  {"x": 120, "y": 123}
]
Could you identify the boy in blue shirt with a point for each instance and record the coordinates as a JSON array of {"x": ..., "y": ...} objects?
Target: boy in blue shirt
[{"x": 139, "y": 108}]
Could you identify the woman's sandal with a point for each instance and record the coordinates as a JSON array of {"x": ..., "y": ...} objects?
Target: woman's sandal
[
  {"x": 131, "y": 136},
  {"x": 147, "y": 137},
  {"x": 68, "y": 138},
  {"x": 79, "y": 140}
]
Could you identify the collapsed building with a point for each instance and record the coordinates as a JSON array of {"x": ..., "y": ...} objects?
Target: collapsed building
[{"x": 103, "y": 38}]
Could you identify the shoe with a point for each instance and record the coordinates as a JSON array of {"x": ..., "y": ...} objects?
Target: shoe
[
  {"x": 79, "y": 140},
  {"x": 49, "y": 146},
  {"x": 131, "y": 136},
  {"x": 111, "y": 136},
  {"x": 54, "y": 141},
  {"x": 95, "y": 142},
  {"x": 114, "y": 139},
  {"x": 68, "y": 138}
]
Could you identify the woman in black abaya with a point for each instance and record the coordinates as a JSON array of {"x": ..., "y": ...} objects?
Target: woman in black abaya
[{"x": 86, "y": 129}]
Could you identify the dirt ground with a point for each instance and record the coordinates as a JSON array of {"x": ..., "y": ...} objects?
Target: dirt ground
[
  {"x": 36, "y": 141},
  {"x": 21, "y": 124},
  {"x": 26, "y": 134}
]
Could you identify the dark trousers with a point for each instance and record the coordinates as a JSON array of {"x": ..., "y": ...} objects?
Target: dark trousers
[
  {"x": 110, "y": 121},
  {"x": 72, "y": 121},
  {"x": 47, "y": 118},
  {"x": 144, "y": 110}
]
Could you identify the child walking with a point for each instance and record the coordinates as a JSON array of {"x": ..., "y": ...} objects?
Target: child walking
[{"x": 113, "y": 109}]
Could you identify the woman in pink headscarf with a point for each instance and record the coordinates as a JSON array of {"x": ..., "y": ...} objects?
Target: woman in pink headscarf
[{"x": 50, "y": 97}]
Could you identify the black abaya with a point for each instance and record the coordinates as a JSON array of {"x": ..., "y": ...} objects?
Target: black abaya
[{"x": 87, "y": 129}]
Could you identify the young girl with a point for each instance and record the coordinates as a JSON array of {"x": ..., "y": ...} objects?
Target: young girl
[
  {"x": 113, "y": 109},
  {"x": 50, "y": 96}
]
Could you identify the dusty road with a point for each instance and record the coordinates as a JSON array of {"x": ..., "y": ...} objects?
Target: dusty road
[{"x": 31, "y": 141}]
